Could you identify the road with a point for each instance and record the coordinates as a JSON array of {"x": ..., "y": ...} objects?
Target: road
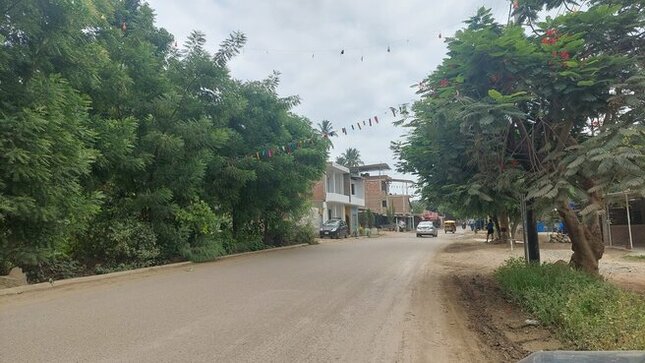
[{"x": 354, "y": 300}]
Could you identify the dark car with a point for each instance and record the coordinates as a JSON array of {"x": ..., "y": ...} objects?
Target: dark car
[{"x": 334, "y": 228}]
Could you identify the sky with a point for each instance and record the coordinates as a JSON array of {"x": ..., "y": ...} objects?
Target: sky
[{"x": 303, "y": 40}]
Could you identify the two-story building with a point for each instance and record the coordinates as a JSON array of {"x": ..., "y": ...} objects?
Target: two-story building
[{"x": 340, "y": 194}]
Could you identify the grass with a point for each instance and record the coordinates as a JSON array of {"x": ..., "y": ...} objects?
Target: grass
[
  {"x": 590, "y": 313},
  {"x": 635, "y": 257}
]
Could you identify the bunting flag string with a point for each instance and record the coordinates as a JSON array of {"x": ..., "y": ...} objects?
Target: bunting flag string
[
  {"x": 358, "y": 52},
  {"x": 399, "y": 110}
]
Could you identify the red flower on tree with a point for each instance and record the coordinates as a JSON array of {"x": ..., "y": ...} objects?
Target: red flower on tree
[
  {"x": 444, "y": 83},
  {"x": 565, "y": 55}
]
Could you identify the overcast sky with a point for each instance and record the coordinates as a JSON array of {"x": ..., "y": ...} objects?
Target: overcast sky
[{"x": 303, "y": 39}]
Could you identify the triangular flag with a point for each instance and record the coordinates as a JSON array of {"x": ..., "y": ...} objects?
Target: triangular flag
[
  {"x": 359, "y": 125},
  {"x": 376, "y": 119},
  {"x": 370, "y": 121},
  {"x": 344, "y": 131},
  {"x": 364, "y": 123},
  {"x": 353, "y": 127}
]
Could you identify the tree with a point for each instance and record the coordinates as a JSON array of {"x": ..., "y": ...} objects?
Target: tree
[
  {"x": 326, "y": 131},
  {"x": 522, "y": 109},
  {"x": 351, "y": 158},
  {"x": 117, "y": 147},
  {"x": 390, "y": 214},
  {"x": 418, "y": 206},
  {"x": 45, "y": 135}
]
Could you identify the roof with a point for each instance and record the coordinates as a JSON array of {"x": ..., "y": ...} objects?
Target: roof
[
  {"x": 332, "y": 165},
  {"x": 371, "y": 167}
]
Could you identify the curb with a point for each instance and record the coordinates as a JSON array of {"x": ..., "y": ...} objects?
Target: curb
[{"x": 79, "y": 280}]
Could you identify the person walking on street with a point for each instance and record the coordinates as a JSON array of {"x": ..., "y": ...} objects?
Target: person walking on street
[{"x": 490, "y": 230}]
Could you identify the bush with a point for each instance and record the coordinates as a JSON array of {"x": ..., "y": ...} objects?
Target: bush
[
  {"x": 115, "y": 242},
  {"x": 589, "y": 312},
  {"x": 204, "y": 252},
  {"x": 56, "y": 266},
  {"x": 304, "y": 233}
]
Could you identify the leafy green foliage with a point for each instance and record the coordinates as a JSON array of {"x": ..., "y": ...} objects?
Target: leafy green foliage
[
  {"x": 552, "y": 114},
  {"x": 113, "y": 241},
  {"x": 119, "y": 150},
  {"x": 350, "y": 158},
  {"x": 591, "y": 313}
]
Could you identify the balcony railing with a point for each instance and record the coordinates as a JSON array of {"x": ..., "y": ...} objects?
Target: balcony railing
[{"x": 337, "y": 198}]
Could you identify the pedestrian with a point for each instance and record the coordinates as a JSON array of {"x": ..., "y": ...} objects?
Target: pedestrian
[{"x": 489, "y": 230}]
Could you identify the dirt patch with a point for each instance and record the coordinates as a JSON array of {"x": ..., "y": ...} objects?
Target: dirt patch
[
  {"x": 499, "y": 323},
  {"x": 461, "y": 247}
]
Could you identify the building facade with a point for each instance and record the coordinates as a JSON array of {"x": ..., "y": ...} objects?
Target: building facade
[
  {"x": 340, "y": 194},
  {"x": 383, "y": 192}
]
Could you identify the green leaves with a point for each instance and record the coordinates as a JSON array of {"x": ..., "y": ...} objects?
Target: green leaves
[
  {"x": 103, "y": 121},
  {"x": 527, "y": 118}
]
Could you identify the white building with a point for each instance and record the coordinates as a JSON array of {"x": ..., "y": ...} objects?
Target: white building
[{"x": 340, "y": 194}]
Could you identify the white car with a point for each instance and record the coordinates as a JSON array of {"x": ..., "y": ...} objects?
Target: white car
[{"x": 426, "y": 228}]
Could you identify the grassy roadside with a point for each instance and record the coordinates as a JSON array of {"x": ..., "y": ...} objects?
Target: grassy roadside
[
  {"x": 590, "y": 313},
  {"x": 635, "y": 258}
]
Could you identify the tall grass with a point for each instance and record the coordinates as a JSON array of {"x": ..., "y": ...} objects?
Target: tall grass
[{"x": 587, "y": 311}]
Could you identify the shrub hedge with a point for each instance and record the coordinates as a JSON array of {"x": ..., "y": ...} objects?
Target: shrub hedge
[{"x": 587, "y": 311}]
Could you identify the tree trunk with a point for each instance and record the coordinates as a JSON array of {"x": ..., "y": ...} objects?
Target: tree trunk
[
  {"x": 496, "y": 236},
  {"x": 515, "y": 222},
  {"x": 586, "y": 239},
  {"x": 504, "y": 231}
]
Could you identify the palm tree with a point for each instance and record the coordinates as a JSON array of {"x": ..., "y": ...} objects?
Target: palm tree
[
  {"x": 326, "y": 130},
  {"x": 351, "y": 158}
]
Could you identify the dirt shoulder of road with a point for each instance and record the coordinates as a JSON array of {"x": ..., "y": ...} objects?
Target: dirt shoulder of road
[{"x": 502, "y": 328}]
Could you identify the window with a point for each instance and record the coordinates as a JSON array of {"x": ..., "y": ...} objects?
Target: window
[
  {"x": 353, "y": 189},
  {"x": 384, "y": 203},
  {"x": 384, "y": 186}
]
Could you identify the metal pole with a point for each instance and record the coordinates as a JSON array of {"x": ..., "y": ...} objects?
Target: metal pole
[
  {"x": 629, "y": 222},
  {"x": 608, "y": 223},
  {"x": 526, "y": 245}
]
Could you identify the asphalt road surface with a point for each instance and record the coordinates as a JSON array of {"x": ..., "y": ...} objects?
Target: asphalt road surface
[{"x": 354, "y": 300}]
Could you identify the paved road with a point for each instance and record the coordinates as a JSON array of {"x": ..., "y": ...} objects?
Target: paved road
[{"x": 351, "y": 301}]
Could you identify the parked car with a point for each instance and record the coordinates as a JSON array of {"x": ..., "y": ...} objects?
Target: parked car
[
  {"x": 426, "y": 228},
  {"x": 334, "y": 228}
]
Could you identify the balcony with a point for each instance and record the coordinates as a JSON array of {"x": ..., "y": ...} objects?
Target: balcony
[
  {"x": 359, "y": 202},
  {"x": 337, "y": 198}
]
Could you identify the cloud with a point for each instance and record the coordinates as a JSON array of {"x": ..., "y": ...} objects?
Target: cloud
[{"x": 303, "y": 39}]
